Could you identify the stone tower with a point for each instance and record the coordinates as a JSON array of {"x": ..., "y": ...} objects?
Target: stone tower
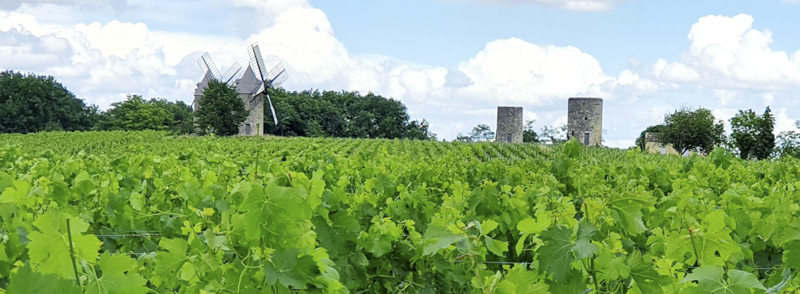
[
  {"x": 585, "y": 120},
  {"x": 509, "y": 124}
]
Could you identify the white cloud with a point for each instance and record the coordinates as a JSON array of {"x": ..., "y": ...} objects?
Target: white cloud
[{"x": 581, "y": 5}]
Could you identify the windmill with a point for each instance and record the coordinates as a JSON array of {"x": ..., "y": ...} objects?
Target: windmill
[
  {"x": 273, "y": 78},
  {"x": 211, "y": 72}
]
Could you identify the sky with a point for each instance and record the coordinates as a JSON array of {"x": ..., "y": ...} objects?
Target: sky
[{"x": 451, "y": 62}]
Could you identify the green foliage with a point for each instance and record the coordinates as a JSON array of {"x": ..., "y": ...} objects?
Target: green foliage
[
  {"x": 341, "y": 114},
  {"x": 220, "y": 110},
  {"x": 553, "y": 134},
  {"x": 689, "y": 129},
  {"x": 137, "y": 114},
  {"x": 528, "y": 133},
  {"x": 151, "y": 213},
  {"x": 31, "y": 103},
  {"x": 753, "y": 134}
]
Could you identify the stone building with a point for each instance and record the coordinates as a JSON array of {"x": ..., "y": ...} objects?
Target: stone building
[
  {"x": 509, "y": 124},
  {"x": 585, "y": 120},
  {"x": 246, "y": 86},
  {"x": 652, "y": 145}
]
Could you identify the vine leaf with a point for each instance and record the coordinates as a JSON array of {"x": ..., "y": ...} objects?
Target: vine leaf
[
  {"x": 120, "y": 276},
  {"x": 26, "y": 281},
  {"x": 49, "y": 247},
  {"x": 290, "y": 270}
]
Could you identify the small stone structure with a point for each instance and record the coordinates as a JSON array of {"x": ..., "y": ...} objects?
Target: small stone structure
[
  {"x": 245, "y": 87},
  {"x": 585, "y": 120},
  {"x": 509, "y": 124},
  {"x": 652, "y": 145}
]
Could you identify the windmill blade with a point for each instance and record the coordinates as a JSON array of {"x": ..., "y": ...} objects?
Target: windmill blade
[
  {"x": 232, "y": 73},
  {"x": 272, "y": 108},
  {"x": 277, "y": 75},
  {"x": 208, "y": 66},
  {"x": 256, "y": 61}
]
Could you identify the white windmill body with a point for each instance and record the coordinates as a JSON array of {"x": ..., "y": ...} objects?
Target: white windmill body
[{"x": 251, "y": 84}]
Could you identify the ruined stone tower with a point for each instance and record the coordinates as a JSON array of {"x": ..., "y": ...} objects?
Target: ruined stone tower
[
  {"x": 509, "y": 124},
  {"x": 585, "y": 120}
]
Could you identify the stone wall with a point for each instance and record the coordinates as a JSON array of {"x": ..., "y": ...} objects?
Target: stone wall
[
  {"x": 585, "y": 116},
  {"x": 254, "y": 124},
  {"x": 509, "y": 124}
]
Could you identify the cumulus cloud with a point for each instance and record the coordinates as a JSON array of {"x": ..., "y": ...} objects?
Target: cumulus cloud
[{"x": 581, "y": 5}]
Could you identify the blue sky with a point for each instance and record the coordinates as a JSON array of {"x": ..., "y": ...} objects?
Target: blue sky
[{"x": 452, "y": 62}]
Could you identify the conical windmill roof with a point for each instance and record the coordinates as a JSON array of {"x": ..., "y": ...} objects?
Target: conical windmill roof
[{"x": 249, "y": 83}]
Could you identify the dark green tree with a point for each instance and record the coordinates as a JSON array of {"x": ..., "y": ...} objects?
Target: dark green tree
[
  {"x": 31, "y": 103},
  {"x": 688, "y": 129},
  {"x": 765, "y": 139},
  {"x": 528, "y": 133},
  {"x": 221, "y": 111},
  {"x": 788, "y": 144},
  {"x": 134, "y": 114},
  {"x": 554, "y": 134},
  {"x": 641, "y": 140},
  {"x": 341, "y": 114},
  {"x": 745, "y": 128}
]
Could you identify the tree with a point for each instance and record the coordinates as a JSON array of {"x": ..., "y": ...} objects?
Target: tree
[
  {"x": 220, "y": 110},
  {"x": 688, "y": 129},
  {"x": 528, "y": 133},
  {"x": 641, "y": 141},
  {"x": 551, "y": 134},
  {"x": 31, "y": 103},
  {"x": 765, "y": 140},
  {"x": 136, "y": 114},
  {"x": 341, "y": 114},
  {"x": 789, "y": 143},
  {"x": 744, "y": 132},
  {"x": 482, "y": 133}
]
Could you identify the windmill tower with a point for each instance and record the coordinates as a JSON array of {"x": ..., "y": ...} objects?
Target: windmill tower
[
  {"x": 252, "y": 85},
  {"x": 268, "y": 80}
]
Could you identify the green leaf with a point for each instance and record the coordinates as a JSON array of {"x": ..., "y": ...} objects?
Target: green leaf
[
  {"x": 26, "y": 281},
  {"x": 645, "y": 278},
  {"x": 574, "y": 283},
  {"x": 630, "y": 214},
  {"x": 556, "y": 257},
  {"x": 710, "y": 280},
  {"x": 583, "y": 245},
  {"x": 437, "y": 238},
  {"x": 170, "y": 261},
  {"x": 49, "y": 247},
  {"x": 290, "y": 270},
  {"x": 791, "y": 255},
  {"x": 787, "y": 276},
  {"x": 518, "y": 280},
  {"x": 496, "y": 246},
  {"x": 334, "y": 236},
  {"x": 488, "y": 225},
  {"x": 120, "y": 275},
  {"x": 137, "y": 201},
  {"x": 276, "y": 213},
  {"x": 532, "y": 226}
]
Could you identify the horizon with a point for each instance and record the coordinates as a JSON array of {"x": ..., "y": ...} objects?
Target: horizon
[{"x": 451, "y": 62}]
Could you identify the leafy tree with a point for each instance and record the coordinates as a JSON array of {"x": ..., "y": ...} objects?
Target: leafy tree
[
  {"x": 341, "y": 114},
  {"x": 221, "y": 111},
  {"x": 551, "y": 134},
  {"x": 528, "y": 133},
  {"x": 688, "y": 129},
  {"x": 481, "y": 133},
  {"x": 31, "y": 103},
  {"x": 765, "y": 140},
  {"x": 744, "y": 132},
  {"x": 641, "y": 140},
  {"x": 789, "y": 142},
  {"x": 136, "y": 114}
]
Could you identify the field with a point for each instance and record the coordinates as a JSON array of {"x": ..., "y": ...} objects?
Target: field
[{"x": 145, "y": 212}]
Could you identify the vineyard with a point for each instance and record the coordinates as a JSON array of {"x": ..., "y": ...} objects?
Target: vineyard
[{"x": 145, "y": 212}]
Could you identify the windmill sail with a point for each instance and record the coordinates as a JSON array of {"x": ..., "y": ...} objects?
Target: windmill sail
[
  {"x": 233, "y": 73},
  {"x": 209, "y": 67},
  {"x": 267, "y": 78}
]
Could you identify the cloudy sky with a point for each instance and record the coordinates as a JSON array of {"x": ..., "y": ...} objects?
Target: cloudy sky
[{"x": 452, "y": 62}]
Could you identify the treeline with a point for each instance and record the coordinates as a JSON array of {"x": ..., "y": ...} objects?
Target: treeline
[
  {"x": 31, "y": 103},
  {"x": 342, "y": 114}
]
